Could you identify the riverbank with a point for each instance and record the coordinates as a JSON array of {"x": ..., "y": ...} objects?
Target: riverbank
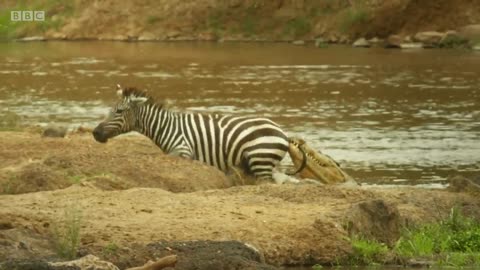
[
  {"x": 392, "y": 23},
  {"x": 131, "y": 204}
]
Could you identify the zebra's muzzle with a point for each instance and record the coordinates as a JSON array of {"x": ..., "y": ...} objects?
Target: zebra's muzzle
[{"x": 99, "y": 134}]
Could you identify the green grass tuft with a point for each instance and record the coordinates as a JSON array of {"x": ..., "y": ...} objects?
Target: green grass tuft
[
  {"x": 367, "y": 252},
  {"x": 66, "y": 234}
]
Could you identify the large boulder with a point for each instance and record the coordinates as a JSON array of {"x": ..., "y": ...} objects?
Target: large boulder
[
  {"x": 471, "y": 32},
  {"x": 393, "y": 41},
  {"x": 429, "y": 38},
  {"x": 375, "y": 219}
]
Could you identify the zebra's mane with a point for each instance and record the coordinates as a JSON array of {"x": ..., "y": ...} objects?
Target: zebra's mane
[{"x": 133, "y": 91}]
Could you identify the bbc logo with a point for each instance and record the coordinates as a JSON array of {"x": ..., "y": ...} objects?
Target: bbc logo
[{"x": 27, "y": 16}]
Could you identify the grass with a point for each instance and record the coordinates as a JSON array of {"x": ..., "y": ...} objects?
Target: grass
[
  {"x": 110, "y": 249},
  {"x": 367, "y": 252},
  {"x": 352, "y": 17},
  {"x": 66, "y": 235},
  {"x": 153, "y": 19},
  {"x": 453, "y": 242},
  {"x": 298, "y": 27}
]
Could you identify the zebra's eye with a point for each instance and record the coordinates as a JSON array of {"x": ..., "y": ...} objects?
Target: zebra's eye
[{"x": 119, "y": 110}]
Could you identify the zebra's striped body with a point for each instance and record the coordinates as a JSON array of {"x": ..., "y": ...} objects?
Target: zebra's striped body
[{"x": 255, "y": 144}]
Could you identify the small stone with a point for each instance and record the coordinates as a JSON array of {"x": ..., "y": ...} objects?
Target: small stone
[
  {"x": 55, "y": 132},
  {"x": 476, "y": 47},
  {"x": 298, "y": 42},
  {"x": 361, "y": 43}
]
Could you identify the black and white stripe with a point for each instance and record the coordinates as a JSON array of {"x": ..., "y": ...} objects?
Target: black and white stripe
[{"x": 255, "y": 144}]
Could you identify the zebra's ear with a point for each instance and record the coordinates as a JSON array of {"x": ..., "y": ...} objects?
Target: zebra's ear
[{"x": 119, "y": 90}]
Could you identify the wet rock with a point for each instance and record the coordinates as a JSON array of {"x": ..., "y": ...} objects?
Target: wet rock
[
  {"x": 459, "y": 183},
  {"x": 411, "y": 46},
  {"x": 298, "y": 42},
  {"x": 375, "y": 40},
  {"x": 201, "y": 255},
  {"x": 393, "y": 41},
  {"x": 375, "y": 219},
  {"x": 89, "y": 262},
  {"x": 55, "y": 132},
  {"x": 361, "y": 43},
  {"x": 429, "y": 38}
]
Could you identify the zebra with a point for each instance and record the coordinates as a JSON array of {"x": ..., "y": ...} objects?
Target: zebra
[{"x": 254, "y": 144}]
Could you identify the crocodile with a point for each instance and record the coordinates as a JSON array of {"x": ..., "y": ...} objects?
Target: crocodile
[{"x": 315, "y": 165}]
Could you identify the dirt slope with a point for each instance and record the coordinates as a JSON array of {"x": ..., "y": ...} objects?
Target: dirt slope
[{"x": 341, "y": 20}]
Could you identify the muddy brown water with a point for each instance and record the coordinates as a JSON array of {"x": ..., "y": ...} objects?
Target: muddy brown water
[{"x": 388, "y": 116}]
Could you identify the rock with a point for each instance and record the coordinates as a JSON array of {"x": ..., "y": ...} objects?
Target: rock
[
  {"x": 375, "y": 219},
  {"x": 459, "y": 183},
  {"x": 201, "y": 255},
  {"x": 298, "y": 42},
  {"x": 393, "y": 41},
  {"x": 55, "y": 132},
  {"x": 34, "y": 38},
  {"x": 173, "y": 34},
  {"x": 375, "y": 40},
  {"x": 429, "y": 38},
  {"x": 476, "y": 47},
  {"x": 147, "y": 37},
  {"x": 89, "y": 262},
  {"x": 411, "y": 45},
  {"x": 361, "y": 43},
  {"x": 471, "y": 32}
]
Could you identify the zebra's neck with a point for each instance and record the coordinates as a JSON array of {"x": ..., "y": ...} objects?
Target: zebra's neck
[{"x": 159, "y": 124}]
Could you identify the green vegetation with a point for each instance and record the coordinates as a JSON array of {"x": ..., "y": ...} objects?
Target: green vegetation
[
  {"x": 455, "y": 42},
  {"x": 367, "y": 252},
  {"x": 298, "y": 27},
  {"x": 153, "y": 19},
  {"x": 317, "y": 267},
  {"x": 454, "y": 241},
  {"x": 353, "y": 16},
  {"x": 66, "y": 234},
  {"x": 110, "y": 249}
]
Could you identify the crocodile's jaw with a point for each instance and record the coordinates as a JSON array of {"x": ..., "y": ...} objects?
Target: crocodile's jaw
[{"x": 318, "y": 166}]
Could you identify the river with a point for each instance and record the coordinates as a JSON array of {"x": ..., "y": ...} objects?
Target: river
[{"x": 390, "y": 117}]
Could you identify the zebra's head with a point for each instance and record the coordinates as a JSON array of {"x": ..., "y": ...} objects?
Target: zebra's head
[{"x": 122, "y": 117}]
